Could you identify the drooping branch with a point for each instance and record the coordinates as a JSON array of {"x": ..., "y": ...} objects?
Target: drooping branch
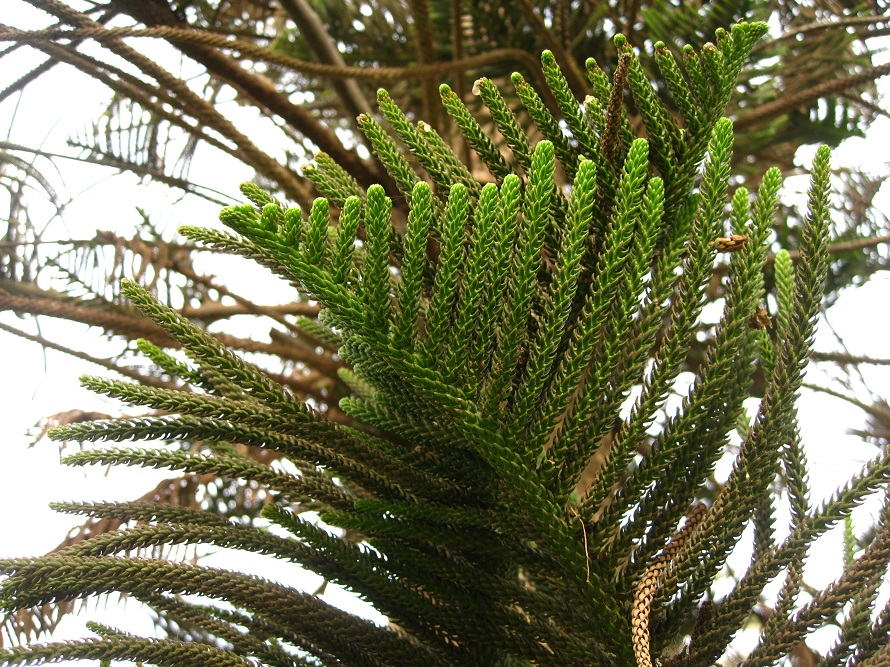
[
  {"x": 118, "y": 321},
  {"x": 199, "y": 108},
  {"x": 67, "y": 308},
  {"x": 257, "y": 87}
]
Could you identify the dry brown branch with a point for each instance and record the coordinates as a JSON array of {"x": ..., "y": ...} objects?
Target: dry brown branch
[
  {"x": 250, "y": 50},
  {"x": 199, "y": 108},
  {"x": 211, "y": 312},
  {"x": 91, "y": 243},
  {"x": 123, "y": 165},
  {"x": 847, "y": 246},
  {"x": 135, "y": 89},
  {"x": 425, "y": 49},
  {"x": 132, "y": 326},
  {"x": 644, "y": 594},
  {"x": 123, "y": 370},
  {"x": 876, "y": 410},
  {"x": 836, "y": 248},
  {"x": 119, "y": 323},
  {"x": 460, "y": 84},
  {"x": 34, "y": 74},
  {"x": 258, "y": 88},
  {"x": 615, "y": 108},
  {"x": 22, "y": 82}
]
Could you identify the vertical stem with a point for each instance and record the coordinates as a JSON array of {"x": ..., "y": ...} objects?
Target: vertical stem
[
  {"x": 457, "y": 45},
  {"x": 424, "y": 46}
]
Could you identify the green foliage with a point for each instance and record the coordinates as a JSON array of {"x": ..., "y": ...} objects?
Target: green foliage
[{"x": 488, "y": 491}]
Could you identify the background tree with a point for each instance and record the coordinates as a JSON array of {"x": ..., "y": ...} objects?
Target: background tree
[{"x": 312, "y": 69}]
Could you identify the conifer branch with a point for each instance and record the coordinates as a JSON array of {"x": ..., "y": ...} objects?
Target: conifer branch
[{"x": 498, "y": 500}]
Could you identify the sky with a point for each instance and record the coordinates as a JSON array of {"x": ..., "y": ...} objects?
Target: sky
[{"x": 39, "y": 383}]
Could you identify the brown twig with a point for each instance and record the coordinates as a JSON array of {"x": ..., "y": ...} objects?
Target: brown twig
[
  {"x": 120, "y": 323},
  {"x": 460, "y": 84},
  {"x": 152, "y": 99},
  {"x": 132, "y": 326},
  {"x": 644, "y": 594},
  {"x": 874, "y": 410},
  {"x": 575, "y": 77},
  {"x": 123, "y": 165},
  {"x": 856, "y": 244},
  {"x": 90, "y": 243},
  {"x": 615, "y": 109},
  {"x": 157, "y": 13},
  {"x": 324, "y": 48},
  {"x": 836, "y": 248},
  {"x": 123, "y": 370},
  {"x": 844, "y": 358},
  {"x": 23, "y": 81}
]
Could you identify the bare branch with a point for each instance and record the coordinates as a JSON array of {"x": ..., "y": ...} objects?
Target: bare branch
[
  {"x": 117, "y": 368},
  {"x": 844, "y": 358},
  {"x": 876, "y": 410},
  {"x": 576, "y": 79},
  {"x": 199, "y": 108},
  {"x": 425, "y": 48}
]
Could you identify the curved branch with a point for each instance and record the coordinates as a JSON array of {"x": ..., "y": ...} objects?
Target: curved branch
[
  {"x": 313, "y": 32},
  {"x": 250, "y": 50},
  {"x": 263, "y": 91},
  {"x": 784, "y": 105},
  {"x": 875, "y": 410},
  {"x": 198, "y": 107}
]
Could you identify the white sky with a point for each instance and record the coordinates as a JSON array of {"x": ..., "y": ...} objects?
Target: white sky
[{"x": 36, "y": 384}]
